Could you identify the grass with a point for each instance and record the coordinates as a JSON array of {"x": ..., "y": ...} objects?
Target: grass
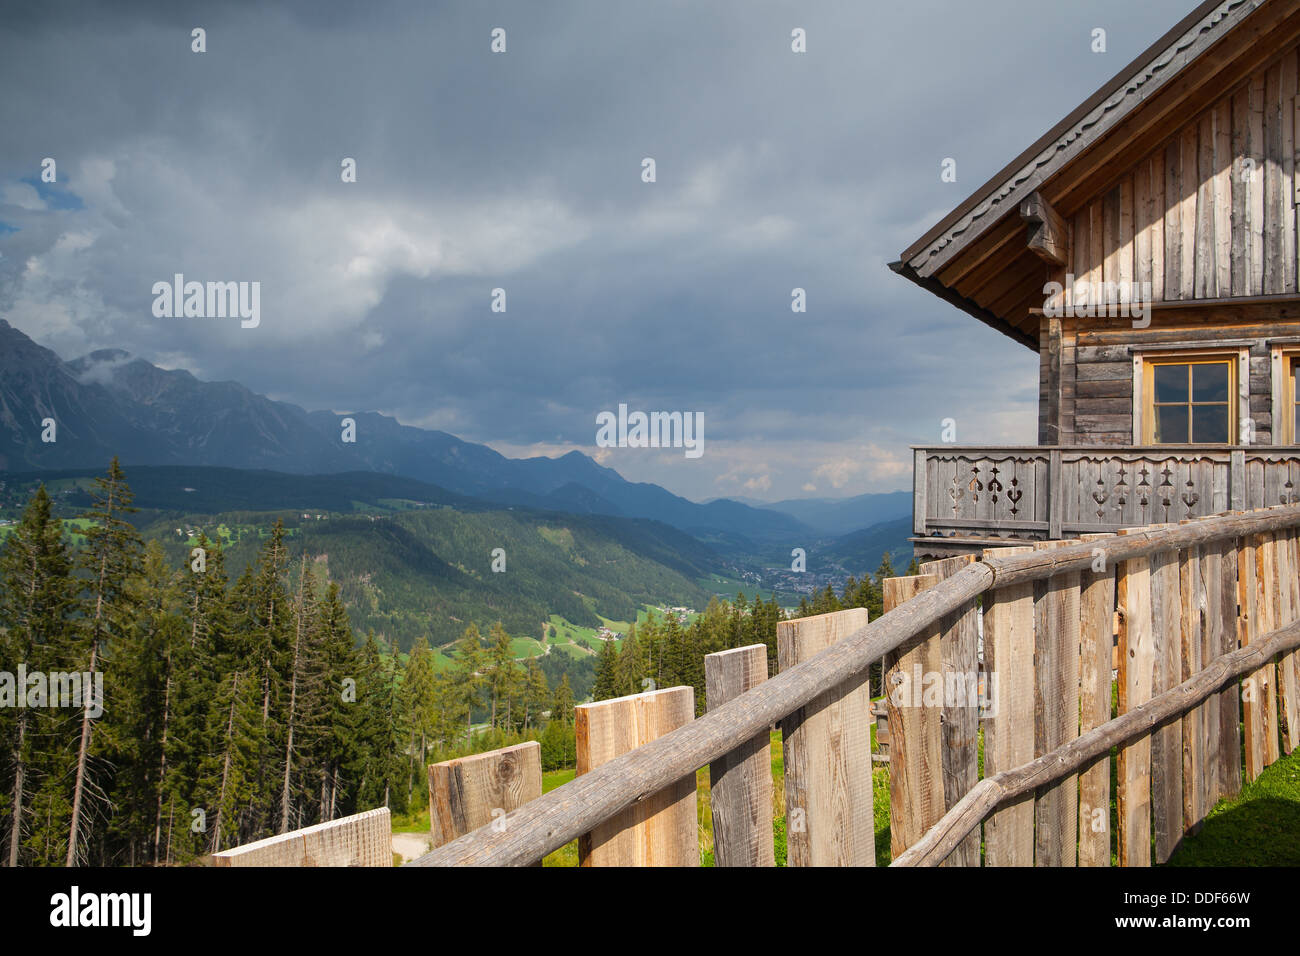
[{"x": 1260, "y": 827}]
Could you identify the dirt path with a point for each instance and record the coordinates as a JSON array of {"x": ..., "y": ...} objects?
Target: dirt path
[{"x": 410, "y": 845}]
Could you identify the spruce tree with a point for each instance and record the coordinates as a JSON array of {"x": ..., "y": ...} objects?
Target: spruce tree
[
  {"x": 111, "y": 557},
  {"x": 467, "y": 676},
  {"x": 504, "y": 676},
  {"x": 606, "y": 685},
  {"x": 536, "y": 693},
  {"x": 36, "y": 593}
]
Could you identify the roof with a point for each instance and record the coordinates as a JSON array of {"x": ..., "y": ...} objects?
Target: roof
[{"x": 1132, "y": 112}]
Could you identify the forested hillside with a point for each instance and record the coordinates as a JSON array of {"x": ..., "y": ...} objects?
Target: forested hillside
[
  {"x": 429, "y": 573},
  {"x": 237, "y": 701}
]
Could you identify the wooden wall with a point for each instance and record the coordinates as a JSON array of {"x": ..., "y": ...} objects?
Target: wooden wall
[{"x": 1210, "y": 214}]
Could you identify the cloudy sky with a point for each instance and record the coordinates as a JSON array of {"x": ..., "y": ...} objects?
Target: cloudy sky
[{"x": 522, "y": 170}]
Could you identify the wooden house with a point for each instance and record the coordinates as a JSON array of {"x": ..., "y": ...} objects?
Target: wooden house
[{"x": 1146, "y": 248}]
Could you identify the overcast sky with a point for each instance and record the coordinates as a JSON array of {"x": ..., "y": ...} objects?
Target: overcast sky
[{"x": 523, "y": 170}]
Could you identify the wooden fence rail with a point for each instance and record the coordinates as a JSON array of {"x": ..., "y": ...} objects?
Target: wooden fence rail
[{"x": 1177, "y": 590}]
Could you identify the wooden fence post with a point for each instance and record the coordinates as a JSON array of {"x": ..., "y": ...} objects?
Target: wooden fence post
[
  {"x": 1253, "y": 686},
  {"x": 1056, "y": 710},
  {"x": 1288, "y": 679},
  {"x": 662, "y": 829},
  {"x": 915, "y": 706},
  {"x": 1096, "y": 642},
  {"x": 1194, "y": 733},
  {"x": 959, "y": 652},
  {"x": 740, "y": 783},
  {"x": 1259, "y": 690},
  {"x": 1009, "y": 728},
  {"x": 1167, "y": 741},
  {"x": 1136, "y": 674},
  {"x": 470, "y": 792},
  {"x": 1229, "y": 775},
  {"x": 1266, "y": 603},
  {"x": 828, "y": 800}
]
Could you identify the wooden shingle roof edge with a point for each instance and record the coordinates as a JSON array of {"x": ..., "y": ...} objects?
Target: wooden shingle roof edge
[
  {"x": 1195, "y": 33},
  {"x": 1149, "y": 72}
]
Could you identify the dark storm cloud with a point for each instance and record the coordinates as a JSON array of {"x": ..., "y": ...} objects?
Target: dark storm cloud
[{"x": 522, "y": 171}]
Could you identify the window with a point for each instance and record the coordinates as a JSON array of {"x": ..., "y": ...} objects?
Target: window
[
  {"x": 1190, "y": 400},
  {"x": 1289, "y": 414}
]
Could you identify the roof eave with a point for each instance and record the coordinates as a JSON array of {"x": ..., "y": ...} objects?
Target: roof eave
[{"x": 937, "y": 288}]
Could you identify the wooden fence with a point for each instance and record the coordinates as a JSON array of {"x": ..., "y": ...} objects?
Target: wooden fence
[
  {"x": 363, "y": 839},
  {"x": 1208, "y": 682}
]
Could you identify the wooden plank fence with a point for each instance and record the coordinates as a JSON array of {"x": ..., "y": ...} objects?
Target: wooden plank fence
[
  {"x": 662, "y": 829},
  {"x": 1206, "y": 618},
  {"x": 363, "y": 839},
  {"x": 740, "y": 783},
  {"x": 827, "y": 753},
  {"x": 470, "y": 792}
]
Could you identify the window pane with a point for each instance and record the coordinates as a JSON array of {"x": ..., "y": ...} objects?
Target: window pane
[
  {"x": 1296, "y": 430},
  {"x": 1210, "y": 382},
  {"x": 1210, "y": 423},
  {"x": 1171, "y": 422},
  {"x": 1170, "y": 383}
]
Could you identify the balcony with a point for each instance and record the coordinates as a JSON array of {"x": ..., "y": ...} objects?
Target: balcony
[{"x": 966, "y": 498}]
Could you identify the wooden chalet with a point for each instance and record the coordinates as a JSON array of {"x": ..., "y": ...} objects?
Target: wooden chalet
[{"x": 1164, "y": 211}]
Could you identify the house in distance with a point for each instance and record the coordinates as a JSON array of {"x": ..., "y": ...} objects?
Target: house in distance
[{"x": 1146, "y": 248}]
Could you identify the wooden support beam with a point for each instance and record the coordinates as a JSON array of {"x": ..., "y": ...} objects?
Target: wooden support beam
[{"x": 1048, "y": 234}]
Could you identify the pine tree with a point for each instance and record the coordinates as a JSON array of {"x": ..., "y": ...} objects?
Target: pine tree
[
  {"x": 467, "y": 676},
  {"x": 504, "y": 676},
  {"x": 606, "y": 685},
  {"x": 420, "y": 703},
  {"x": 562, "y": 715},
  {"x": 36, "y": 592},
  {"x": 138, "y": 712},
  {"x": 229, "y": 771},
  {"x": 202, "y": 658},
  {"x": 300, "y": 666},
  {"x": 337, "y": 723},
  {"x": 263, "y": 648},
  {"x": 632, "y": 667},
  {"x": 562, "y": 705},
  {"x": 110, "y": 558},
  {"x": 536, "y": 694}
]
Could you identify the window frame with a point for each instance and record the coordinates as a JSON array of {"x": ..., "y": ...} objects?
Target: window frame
[
  {"x": 1144, "y": 362},
  {"x": 1285, "y": 358}
]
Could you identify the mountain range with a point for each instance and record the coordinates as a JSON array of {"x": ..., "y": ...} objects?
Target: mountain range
[{"x": 111, "y": 403}]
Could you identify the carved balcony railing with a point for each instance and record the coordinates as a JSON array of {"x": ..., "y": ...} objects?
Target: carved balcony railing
[{"x": 1001, "y": 494}]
